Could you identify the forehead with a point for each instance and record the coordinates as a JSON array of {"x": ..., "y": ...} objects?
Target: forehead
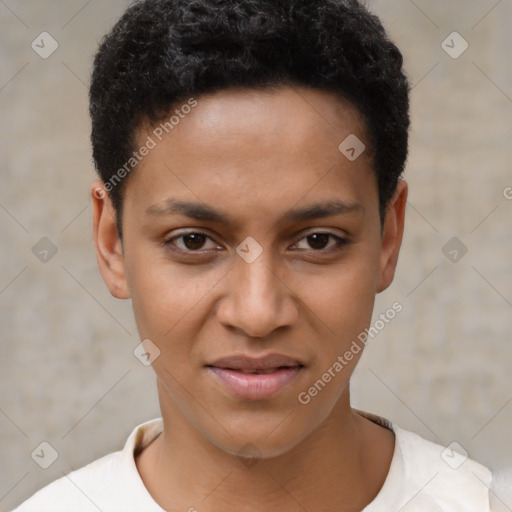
[
  {"x": 264, "y": 115},
  {"x": 254, "y": 148}
]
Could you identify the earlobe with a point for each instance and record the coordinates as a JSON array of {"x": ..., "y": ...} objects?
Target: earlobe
[
  {"x": 109, "y": 249},
  {"x": 392, "y": 235}
]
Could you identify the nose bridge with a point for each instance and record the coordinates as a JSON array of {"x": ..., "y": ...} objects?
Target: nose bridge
[
  {"x": 256, "y": 283},
  {"x": 258, "y": 302}
]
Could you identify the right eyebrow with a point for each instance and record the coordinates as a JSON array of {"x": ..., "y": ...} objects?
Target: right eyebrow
[{"x": 197, "y": 211}]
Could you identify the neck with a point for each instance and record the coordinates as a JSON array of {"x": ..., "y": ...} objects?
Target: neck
[{"x": 341, "y": 465}]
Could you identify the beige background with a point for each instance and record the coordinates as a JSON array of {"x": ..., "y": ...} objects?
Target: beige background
[{"x": 441, "y": 368}]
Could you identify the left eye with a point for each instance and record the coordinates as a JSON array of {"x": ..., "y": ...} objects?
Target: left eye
[{"x": 320, "y": 241}]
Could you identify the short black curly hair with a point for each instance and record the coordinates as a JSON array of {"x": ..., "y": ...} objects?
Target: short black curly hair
[{"x": 162, "y": 52}]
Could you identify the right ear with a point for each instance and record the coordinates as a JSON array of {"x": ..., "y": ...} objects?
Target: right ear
[{"x": 109, "y": 248}]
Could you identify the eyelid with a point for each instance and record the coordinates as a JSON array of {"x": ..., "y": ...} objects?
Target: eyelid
[{"x": 324, "y": 231}]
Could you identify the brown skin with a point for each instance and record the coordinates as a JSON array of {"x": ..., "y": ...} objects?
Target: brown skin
[{"x": 254, "y": 155}]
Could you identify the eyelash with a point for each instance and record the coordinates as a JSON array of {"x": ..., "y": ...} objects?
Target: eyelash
[{"x": 340, "y": 243}]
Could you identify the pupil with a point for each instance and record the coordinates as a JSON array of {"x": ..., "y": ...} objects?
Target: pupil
[
  {"x": 197, "y": 241},
  {"x": 319, "y": 237}
]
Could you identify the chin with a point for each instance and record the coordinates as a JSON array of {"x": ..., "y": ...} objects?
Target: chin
[
  {"x": 251, "y": 449},
  {"x": 261, "y": 438}
]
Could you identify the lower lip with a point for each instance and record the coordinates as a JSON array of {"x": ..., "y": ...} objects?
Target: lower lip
[{"x": 253, "y": 386}]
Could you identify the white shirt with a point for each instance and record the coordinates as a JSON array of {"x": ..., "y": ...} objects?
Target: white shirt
[{"x": 423, "y": 477}]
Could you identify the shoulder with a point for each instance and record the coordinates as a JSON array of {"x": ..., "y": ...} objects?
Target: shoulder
[
  {"x": 74, "y": 490},
  {"x": 110, "y": 483},
  {"x": 443, "y": 475},
  {"x": 427, "y": 477}
]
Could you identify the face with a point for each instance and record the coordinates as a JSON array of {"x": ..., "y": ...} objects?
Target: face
[{"x": 249, "y": 235}]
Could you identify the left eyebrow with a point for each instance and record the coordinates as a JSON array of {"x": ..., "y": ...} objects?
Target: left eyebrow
[
  {"x": 205, "y": 213},
  {"x": 321, "y": 210}
]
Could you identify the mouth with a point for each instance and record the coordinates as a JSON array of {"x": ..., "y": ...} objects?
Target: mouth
[
  {"x": 255, "y": 379},
  {"x": 259, "y": 372}
]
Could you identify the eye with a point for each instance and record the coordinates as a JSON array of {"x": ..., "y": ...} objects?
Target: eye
[
  {"x": 197, "y": 242},
  {"x": 319, "y": 242},
  {"x": 190, "y": 242}
]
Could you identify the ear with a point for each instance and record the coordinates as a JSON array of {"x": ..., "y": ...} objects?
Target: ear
[
  {"x": 393, "y": 231},
  {"x": 109, "y": 249}
]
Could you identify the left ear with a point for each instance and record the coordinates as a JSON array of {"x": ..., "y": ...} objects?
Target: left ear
[{"x": 393, "y": 231}]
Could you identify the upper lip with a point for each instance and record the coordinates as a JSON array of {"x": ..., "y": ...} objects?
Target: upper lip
[{"x": 242, "y": 362}]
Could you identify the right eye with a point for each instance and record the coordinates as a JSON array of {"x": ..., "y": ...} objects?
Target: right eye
[{"x": 190, "y": 242}]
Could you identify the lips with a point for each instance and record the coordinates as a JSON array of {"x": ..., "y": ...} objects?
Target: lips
[
  {"x": 255, "y": 379},
  {"x": 265, "y": 364}
]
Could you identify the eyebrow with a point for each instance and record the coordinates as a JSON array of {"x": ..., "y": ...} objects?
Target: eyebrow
[{"x": 203, "y": 212}]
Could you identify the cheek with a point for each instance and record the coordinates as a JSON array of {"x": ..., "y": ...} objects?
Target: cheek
[
  {"x": 342, "y": 299},
  {"x": 164, "y": 294},
  {"x": 343, "y": 307},
  {"x": 352, "y": 306},
  {"x": 342, "y": 303}
]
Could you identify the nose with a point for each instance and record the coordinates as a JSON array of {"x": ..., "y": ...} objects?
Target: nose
[{"x": 258, "y": 301}]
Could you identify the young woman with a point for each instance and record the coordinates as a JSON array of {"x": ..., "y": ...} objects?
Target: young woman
[{"x": 250, "y": 204}]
